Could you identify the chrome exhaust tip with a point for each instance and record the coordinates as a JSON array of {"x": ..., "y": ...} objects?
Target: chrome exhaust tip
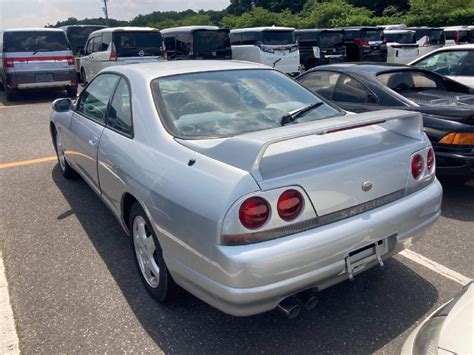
[
  {"x": 290, "y": 307},
  {"x": 309, "y": 299}
]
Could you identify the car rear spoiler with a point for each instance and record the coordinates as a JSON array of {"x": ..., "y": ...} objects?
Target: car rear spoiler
[{"x": 246, "y": 151}]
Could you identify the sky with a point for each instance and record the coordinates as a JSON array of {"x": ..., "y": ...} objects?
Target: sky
[{"x": 38, "y": 13}]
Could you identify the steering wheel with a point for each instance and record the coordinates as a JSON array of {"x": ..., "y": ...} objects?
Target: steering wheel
[{"x": 188, "y": 108}]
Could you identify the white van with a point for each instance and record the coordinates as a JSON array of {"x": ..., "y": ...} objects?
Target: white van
[
  {"x": 402, "y": 47},
  {"x": 36, "y": 58},
  {"x": 118, "y": 46},
  {"x": 272, "y": 46}
]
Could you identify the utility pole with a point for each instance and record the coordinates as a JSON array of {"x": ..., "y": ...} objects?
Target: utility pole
[{"x": 106, "y": 13}]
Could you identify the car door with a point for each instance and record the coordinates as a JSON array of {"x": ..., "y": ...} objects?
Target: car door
[
  {"x": 87, "y": 125},
  {"x": 86, "y": 59},
  {"x": 115, "y": 153},
  {"x": 465, "y": 73}
]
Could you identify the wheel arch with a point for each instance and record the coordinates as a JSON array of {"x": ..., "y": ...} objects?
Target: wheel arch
[{"x": 128, "y": 200}]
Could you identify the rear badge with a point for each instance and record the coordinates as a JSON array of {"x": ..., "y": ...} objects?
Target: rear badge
[
  {"x": 367, "y": 186},
  {"x": 141, "y": 53}
]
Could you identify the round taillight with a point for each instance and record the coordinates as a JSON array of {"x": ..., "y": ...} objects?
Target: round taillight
[
  {"x": 254, "y": 212},
  {"x": 430, "y": 160},
  {"x": 290, "y": 205},
  {"x": 417, "y": 166}
]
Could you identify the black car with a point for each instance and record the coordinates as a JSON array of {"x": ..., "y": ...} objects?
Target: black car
[
  {"x": 364, "y": 44},
  {"x": 197, "y": 42},
  {"x": 447, "y": 106},
  {"x": 320, "y": 46}
]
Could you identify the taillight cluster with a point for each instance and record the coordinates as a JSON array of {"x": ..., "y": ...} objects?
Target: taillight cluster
[
  {"x": 360, "y": 41},
  {"x": 10, "y": 62},
  {"x": 418, "y": 164},
  {"x": 254, "y": 212}
]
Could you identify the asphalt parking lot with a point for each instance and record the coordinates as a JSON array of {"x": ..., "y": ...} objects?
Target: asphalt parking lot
[{"x": 74, "y": 287}]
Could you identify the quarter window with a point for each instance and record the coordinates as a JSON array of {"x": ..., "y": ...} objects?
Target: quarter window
[
  {"x": 94, "y": 100},
  {"x": 120, "y": 112},
  {"x": 350, "y": 90}
]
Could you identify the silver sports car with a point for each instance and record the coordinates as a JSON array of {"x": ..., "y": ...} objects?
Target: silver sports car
[{"x": 243, "y": 187}]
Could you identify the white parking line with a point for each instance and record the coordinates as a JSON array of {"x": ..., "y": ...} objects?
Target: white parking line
[
  {"x": 434, "y": 266},
  {"x": 8, "y": 336}
]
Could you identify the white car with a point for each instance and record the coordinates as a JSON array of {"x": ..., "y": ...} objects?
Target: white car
[
  {"x": 119, "y": 46},
  {"x": 449, "y": 330},
  {"x": 402, "y": 47},
  {"x": 272, "y": 46},
  {"x": 455, "y": 62}
]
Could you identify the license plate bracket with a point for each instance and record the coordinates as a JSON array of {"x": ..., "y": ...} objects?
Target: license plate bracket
[
  {"x": 44, "y": 78},
  {"x": 357, "y": 260}
]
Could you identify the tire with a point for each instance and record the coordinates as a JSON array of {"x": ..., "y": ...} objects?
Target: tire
[
  {"x": 72, "y": 91},
  {"x": 149, "y": 257},
  {"x": 66, "y": 170},
  {"x": 10, "y": 93},
  {"x": 83, "y": 76}
]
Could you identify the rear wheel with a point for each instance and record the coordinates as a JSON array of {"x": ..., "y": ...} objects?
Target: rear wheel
[
  {"x": 83, "y": 76},
  {"x": 149, "y": 256},
  {"x": 66, "y": 170},
  {"x": 10, "y": 93}
]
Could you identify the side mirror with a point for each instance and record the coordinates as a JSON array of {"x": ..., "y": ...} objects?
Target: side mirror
[{"x": 62, "y": 105}]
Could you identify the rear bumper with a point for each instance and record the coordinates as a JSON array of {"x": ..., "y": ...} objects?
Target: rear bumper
[
  {"x": 251, "y": 279},
  {"x": 28, "y": 79}
]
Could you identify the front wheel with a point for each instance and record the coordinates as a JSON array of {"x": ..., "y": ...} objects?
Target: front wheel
[{"x": 149, "y": 256}]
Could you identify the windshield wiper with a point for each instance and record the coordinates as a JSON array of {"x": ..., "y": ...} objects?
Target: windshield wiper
[{"x": 294, "y": 115}]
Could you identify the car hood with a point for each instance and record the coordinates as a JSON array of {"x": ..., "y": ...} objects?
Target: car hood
[
  {"x": 440, "y": 98},
  {"x": 463, "y": 114}
]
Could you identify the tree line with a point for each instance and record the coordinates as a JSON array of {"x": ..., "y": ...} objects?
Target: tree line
[{"x": 307, "y": 14}]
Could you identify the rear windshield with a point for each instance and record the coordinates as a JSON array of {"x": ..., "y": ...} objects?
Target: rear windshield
[
  {"x": 435, "y": 36},
  {"x": 411, "y": 80},
  {"x": 207, "y": 41},
  {"x": 330, "y": 39},
  {"x": 138, "y": 44},
  {"x": 371, "y": 35},
  {"x": 226, "y": 103},
  {"x": 278, "y": 37},
  {"x": 35, "y": 41},
  {"x": 78, "y": 36},
  {"x": 460, "y": 36},
  {"x": 403, "y": 38}
]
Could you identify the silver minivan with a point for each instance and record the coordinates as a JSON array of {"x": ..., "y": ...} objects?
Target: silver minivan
[
  {"x": 118, "y": 46},
  {"x": 36, "y": 58}
]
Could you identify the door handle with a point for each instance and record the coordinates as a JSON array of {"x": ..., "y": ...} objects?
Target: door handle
[{"x": 93, "y": 141}]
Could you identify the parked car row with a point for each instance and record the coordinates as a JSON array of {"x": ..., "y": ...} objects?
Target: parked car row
[{"x": 286, "y": 49}]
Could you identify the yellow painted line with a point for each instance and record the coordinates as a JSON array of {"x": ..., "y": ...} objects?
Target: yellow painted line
[{"x": 14, "y": 164}]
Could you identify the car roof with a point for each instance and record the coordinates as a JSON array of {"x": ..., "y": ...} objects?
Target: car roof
[
  {"x": 398, "y": 31},
  {"x": 189, "y": 28},
  {"x": 126, "y": 29},
  {"x": 261, "y": 29},
  {"x": 371, "y": 68},
  {"x": 42, "y": 29},
  {"x": 153, "y": 70},
  {"x": 310, "y": 30}
]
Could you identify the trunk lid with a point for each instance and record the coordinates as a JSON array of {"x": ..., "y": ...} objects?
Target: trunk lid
[{"x": 330, "y": 159}]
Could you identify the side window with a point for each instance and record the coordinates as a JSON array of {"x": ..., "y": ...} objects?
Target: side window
[
  {"x": 120, "y": 112},
  {"x": 234, "y": 39},
  {"x": 169, "y": 43},
  {"x": 248, "y": 38},
  {"x": 89, "y": 45},
  {"x": 183, "y": 43},
  {"x": 106, "y": 39},
  {"x": 445, "y": 63},
  {"x": 321, "y": 82},
  {"x": 468, "y": 65},
  {"x": 97, "y": 44},
  {"x": 94, "y": 100},
  {"x": 350, "y": 90}
]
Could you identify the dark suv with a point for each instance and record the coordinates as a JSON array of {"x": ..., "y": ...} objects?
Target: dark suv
[
  {"x": 364, "y": 44},
  {"x": 320, "y": 46}
]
